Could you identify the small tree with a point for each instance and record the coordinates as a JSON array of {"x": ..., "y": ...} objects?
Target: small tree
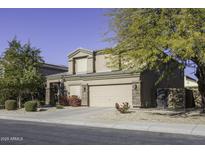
[
  {"x": 21, "y": 65},
  {"x": 151, "y": 38}
]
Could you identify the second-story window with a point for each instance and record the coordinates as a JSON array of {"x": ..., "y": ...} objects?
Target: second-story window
[{"x": 81, "y": 65}]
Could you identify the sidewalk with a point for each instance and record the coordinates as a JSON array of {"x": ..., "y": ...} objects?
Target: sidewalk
[{"x": 189, "y": 129}]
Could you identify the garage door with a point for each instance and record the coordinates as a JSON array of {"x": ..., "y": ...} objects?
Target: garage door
[{"x": 107, "y": 96}]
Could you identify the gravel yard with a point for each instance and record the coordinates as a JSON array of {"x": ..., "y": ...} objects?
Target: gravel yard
[
  {"x": 155, "y": 115},
  {"x": 110, "y": 115}
]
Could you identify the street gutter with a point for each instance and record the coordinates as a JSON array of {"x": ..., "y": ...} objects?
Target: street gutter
[{"x": 188, "y": 129}]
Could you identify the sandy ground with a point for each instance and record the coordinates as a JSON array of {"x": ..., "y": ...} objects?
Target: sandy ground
[
  {"x": 155, "y": 115},
  {"x": 112, "y": 115}
]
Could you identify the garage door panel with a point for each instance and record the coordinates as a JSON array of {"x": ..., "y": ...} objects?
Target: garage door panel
[{"x": 107, "y": 96}]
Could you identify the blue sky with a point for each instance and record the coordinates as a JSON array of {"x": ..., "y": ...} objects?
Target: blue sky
[{"x": 56, "y": 31}]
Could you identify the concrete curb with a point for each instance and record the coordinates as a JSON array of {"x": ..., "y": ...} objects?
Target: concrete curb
[{"x": 186, "y": 129}]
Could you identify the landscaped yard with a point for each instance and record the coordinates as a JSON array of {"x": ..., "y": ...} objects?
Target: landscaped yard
[
  {"x": 156, "y": 115},
  {"x": 110, "y": 115}
]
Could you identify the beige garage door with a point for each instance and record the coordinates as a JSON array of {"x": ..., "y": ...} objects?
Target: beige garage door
[{"x": 107, "y": 96}]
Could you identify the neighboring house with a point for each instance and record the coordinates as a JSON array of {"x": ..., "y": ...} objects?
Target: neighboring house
[
  {"x": 189, "y": 82},
  {"x": 45, "y": 69},
  {"x": 98, "y": 85},
  {"x": 49, "y": 69}
]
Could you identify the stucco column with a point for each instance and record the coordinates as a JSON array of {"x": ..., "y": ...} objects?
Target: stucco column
[
  {"x": 70, "y": 64},
  {"x": 48, "y": 93},
  {"x": 90, "y": 65},
  {"x": 84, "y": 95},
  {"x": 136, "y": 101}
]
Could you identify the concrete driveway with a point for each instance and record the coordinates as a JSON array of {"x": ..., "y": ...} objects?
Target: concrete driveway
[{"x": 52, "y": 114}]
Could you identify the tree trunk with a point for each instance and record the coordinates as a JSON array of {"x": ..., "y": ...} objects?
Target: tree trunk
[
  {"x": 32, "y": 97},
  {"x": 203, "y": 104},
  {"x": 19, "y": 100},
  {"x": 200, "y": 74}
]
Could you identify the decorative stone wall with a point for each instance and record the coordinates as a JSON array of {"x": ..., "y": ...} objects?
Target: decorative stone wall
[
  {"x": 176, "y": 98},
  {"x": 136, "y": 102},
  {"x": 172, "y": 98},
  {"x": 197, "y": 97}
]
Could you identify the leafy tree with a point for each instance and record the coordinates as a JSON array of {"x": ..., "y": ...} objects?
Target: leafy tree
[
  {"x": 151, "y": 38},
  {"x": 21, "y": 65}
]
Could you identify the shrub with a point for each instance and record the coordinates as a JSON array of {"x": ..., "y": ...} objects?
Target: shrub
[
  {"x": 6, "y": 94},
  {"x": 59, "y": 107},
  {"x": 2, "y": 102},
  {"x": 64, "y": 101},
  {"x": 123, "y": 108},
  {"x": 31, "y": 106},
  {"x": 41, "y": 103},
  {"x": 2, "y": 105},
  {"x": 11, "y": 105},
  {"x": 74, "y": 101},
  {"x": 53, "y": 102}
]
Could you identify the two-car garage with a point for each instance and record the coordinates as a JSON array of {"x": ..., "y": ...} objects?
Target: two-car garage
[
  {"x": 108, "y": 95},
  {"x": 105, "y": 91}
]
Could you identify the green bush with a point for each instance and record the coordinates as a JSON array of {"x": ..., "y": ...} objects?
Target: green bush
[
  {"x": 11, "y": 105},
  {"x": 41, "y": 103},
  {"x": 64, "y": 101},
  {"x": 31, "y": 106},
  {"x": 6, "y": 95},
  {"x": 59, "y": 107},
  {"x": 2, "y": 105},
  {"x": 53, "y": 102},
  {"x": 2, "y": 102}
]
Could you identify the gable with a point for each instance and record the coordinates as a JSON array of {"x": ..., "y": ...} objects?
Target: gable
[{"x": 80, "y": 53}]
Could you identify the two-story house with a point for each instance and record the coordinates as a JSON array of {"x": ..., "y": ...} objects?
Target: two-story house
[{"x": 96, "y": 84}]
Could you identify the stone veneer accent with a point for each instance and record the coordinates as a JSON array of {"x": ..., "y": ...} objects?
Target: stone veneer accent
[
  {"x": 172, "y": 98},
  {"x": 136, "y": 102}
]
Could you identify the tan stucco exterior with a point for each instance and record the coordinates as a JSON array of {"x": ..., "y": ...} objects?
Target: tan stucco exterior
[
  {"x": 101, "y": 63},
  {"x": 190, "y": 83},
  {"x": 95, "y": 62},
  {"x": 102, "y": 84},
  {"x": 108, "y": 80},
  {"x": 80, "y": 53},
  {"x": 116, "y": 82}
]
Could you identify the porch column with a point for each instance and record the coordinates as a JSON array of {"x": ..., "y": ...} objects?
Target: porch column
[{"x": 48, "y": 93}]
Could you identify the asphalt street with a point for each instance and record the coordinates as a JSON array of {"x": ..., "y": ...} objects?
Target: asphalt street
[{"x": 36, "y": 133}]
